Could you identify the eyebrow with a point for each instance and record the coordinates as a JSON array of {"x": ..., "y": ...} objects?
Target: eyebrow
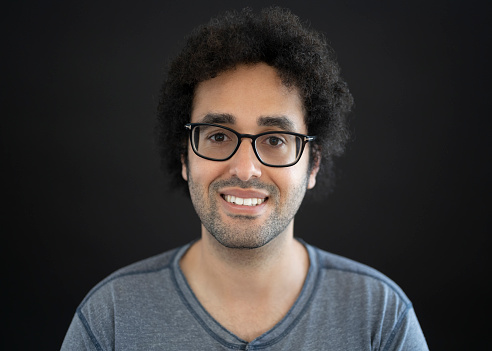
[
  {"x": 281, "y": 122},
  {"x": 219, "y": 118}
]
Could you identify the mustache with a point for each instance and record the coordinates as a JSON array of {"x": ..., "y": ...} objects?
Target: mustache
[{"x": 249, "y": 184}]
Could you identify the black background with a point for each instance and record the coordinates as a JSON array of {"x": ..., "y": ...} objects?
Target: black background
[{"x": 84, "y": 195}]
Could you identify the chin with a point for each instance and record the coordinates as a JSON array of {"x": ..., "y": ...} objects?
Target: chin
[{"x": 244, "y": 243}]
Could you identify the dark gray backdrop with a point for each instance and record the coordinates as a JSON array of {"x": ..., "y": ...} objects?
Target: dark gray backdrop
[{"x": 83, "y": 193}]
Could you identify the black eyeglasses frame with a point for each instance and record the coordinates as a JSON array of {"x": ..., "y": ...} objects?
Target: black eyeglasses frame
[{"x": 304, "y": 138}]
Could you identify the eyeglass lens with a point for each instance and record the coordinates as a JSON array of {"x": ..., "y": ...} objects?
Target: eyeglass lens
[{"x": 219, "y": 144}]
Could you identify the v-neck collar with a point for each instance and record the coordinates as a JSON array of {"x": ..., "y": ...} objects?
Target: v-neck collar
[{"x": 225, "y": 337}]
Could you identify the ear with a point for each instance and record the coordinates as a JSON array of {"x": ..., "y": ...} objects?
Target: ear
[
  {"x": 184, "y": 169},
  {"x": 312, "y": 176},
  {"x": 314, "y": 169}
]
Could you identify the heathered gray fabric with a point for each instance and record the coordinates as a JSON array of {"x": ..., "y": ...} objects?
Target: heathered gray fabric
[{"x": 148, "y": 306}]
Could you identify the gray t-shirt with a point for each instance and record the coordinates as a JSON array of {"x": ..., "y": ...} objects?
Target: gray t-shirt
[{"x": 343, "y": 305}]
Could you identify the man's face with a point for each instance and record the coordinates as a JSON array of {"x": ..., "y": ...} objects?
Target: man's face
[{"x": 250, "y": 100}]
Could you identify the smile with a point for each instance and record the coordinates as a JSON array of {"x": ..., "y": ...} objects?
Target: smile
[{"x": 243, "y": 201}]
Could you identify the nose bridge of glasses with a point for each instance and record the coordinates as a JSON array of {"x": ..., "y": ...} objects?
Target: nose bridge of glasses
[
  {"x": 252, "y": 139},
  {"x": 246, "y": 136}
]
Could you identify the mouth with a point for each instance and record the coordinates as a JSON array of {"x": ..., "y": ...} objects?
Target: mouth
[{"x": 249, "y": 201}]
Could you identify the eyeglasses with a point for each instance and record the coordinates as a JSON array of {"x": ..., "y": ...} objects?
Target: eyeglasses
[{"x": 218, "y": 143}]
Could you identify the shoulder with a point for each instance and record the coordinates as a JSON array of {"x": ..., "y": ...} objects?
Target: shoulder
[
  {"x": 348, "y": 278},
  {"x": 132, "y": 281},
  {"x": 122, "y": 300},
  {"x": 356, "y": 299},
  {"x": 349, "y": 268},
  {"x": 144, "y": 267},
  {"x": 149, "y": 265}
]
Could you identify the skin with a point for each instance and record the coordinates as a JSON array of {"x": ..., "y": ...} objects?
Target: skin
[{"x": 244, "y": 246}]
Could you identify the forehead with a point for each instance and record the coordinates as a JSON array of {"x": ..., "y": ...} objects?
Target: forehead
[{"x": 249, "y": 93}]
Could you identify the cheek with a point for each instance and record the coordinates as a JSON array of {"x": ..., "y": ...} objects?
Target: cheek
[
  {"x": 300, "y": 171},
  {"x": 290, "y": 179},
  {"x": 203, "y": 172}
]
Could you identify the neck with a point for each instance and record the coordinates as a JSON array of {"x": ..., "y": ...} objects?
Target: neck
[{"x": 282, "y": 263}]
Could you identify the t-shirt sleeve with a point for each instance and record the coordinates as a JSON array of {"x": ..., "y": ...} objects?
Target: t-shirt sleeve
[
  {"x": 407, "y": 335},
  {"x": 78, "y": 337}
]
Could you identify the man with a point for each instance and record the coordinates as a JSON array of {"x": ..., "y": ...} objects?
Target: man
[{"x": 252, "y": 109}]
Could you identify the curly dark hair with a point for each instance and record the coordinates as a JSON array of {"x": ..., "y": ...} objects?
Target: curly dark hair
[{"x": 276, "y": 37}]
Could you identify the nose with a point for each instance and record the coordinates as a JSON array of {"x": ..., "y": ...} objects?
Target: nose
[{"x": 244, "y": 164}]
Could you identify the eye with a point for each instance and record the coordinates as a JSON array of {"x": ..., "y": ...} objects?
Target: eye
[
  {"x": 274, "y": 140},
  {"x": 218, "y": 137}
]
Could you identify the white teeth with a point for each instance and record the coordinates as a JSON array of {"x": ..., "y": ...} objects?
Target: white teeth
[{"x": 245, "y": 202}]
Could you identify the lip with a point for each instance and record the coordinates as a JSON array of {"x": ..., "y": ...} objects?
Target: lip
[{"x": 233, "y": 209}]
